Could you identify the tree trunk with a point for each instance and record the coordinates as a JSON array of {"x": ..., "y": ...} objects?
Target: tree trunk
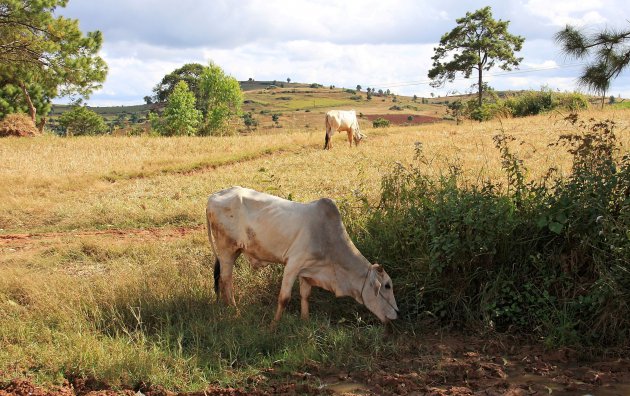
[
  {"x": 31, "y": 108},
  {"x": 480, "y": 82},
  {"x": 42, "y": 124},
  {"x": 603, "y": 98}
]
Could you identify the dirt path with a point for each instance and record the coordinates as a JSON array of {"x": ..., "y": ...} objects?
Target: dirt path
[{"x": 23, "y": 240}]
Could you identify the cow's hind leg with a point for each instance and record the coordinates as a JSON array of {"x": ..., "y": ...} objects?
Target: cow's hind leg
[
  {"x": 305, "y": 292},
  {"x": 288, "y": 279}
]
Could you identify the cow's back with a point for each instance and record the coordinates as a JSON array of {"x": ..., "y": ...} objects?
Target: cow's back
[
  {"x": 343, "y": 120},
  {"x": 270, "y": 228}
]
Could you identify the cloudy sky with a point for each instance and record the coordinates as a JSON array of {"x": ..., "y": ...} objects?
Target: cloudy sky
[{"x": 384, "y": 44}]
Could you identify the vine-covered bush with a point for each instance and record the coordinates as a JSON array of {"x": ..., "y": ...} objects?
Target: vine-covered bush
[{"x": 549, "y": 257}]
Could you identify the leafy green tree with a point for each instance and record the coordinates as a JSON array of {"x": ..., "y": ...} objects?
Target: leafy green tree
[
  {"x": 218, "y": 97},
  {"x": 180, "y": 115},
  {"x": 358, "y": 87},
  {"x": 478, "y": 42},
  {"x": 221, "y": 98},
  {"x": 82, "y": 121},
  {"x": 49, "y": 53},
  {"x": 288, "y": 80},
  {"x": 190, "y": 73},
  {"x": 608, "y": 49}
]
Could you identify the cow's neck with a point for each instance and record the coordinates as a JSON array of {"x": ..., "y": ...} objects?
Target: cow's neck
[{"x": 350, "y": 271}]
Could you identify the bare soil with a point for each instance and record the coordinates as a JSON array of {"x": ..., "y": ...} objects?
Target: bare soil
[{"x": 18, "y": 241}]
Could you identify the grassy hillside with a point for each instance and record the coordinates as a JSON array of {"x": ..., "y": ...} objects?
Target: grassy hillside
[{"x": 298, "y": 106}]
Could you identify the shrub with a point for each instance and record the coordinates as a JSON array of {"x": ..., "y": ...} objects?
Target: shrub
[
  {"x": 82, "y": 121},
  {"x": 531, "y": 103},
  {"x": 571, "y": 101},
  {"x": 396, "y": 107},
  {"x": 380, "y": 123},
  {"x": 546, "y": 257},
  {"x": 249, "y": 120},
  {"x": 536, "y": 102}
]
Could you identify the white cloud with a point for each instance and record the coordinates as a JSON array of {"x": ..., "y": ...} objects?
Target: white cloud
[
  {"x": 563, "y": 12},
  {"x": 381, "y": 44}
]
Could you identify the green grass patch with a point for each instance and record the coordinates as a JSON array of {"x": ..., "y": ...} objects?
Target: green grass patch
[{"x": 146, "y": 312}]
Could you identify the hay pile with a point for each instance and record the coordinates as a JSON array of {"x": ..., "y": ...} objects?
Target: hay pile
[{"x": 17, "y": 125}]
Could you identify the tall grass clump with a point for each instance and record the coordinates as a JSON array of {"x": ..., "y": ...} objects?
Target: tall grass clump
[{"x": 549, "y": 257}]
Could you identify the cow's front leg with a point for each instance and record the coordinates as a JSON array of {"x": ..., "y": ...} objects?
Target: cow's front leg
[
  {"x": 288, "y": 279},
  {"x": 305, "y": 292},
  {"x": 226, "y": 282},
  {"x": 350, "y": 137}
]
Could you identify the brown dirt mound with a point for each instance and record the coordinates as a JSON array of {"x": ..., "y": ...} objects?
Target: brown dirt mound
[
  {"x": 403, "y": 119},
  {"x": 19, "y": 125}
]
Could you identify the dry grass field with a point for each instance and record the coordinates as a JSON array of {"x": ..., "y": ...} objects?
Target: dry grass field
[
  {"x": 104, "y": 262},
  {"x": 56, "y": 184}
]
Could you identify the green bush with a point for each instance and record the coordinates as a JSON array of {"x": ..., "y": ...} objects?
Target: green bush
[
  {"x": 531, "y": 103},
  {"x": 380, "y": 123},
  {"x": 547, "y": 257},
  {"x": 571, "y": 101},
  {"x": 537, "y": 102},
  {"x": 522, "y": 105},
  {"x": 82, "y": 121}
]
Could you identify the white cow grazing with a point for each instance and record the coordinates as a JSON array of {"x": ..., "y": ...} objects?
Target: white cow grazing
[
  {"x": 309, "y": 239},
  {"x": 342, "y": 120}
]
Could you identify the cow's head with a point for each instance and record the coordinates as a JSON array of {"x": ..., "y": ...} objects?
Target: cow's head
[
  {"x": 358, "y": 137},
  {"x": 378, "y": 294}
]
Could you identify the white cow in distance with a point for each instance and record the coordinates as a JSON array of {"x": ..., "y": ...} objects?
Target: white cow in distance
[
  {"x": 309, "y": 239},
  {"x": 342, "y": 120}
]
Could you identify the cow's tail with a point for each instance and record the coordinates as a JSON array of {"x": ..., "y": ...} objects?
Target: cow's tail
[
  {"x": 217, "y": 263},
  {"x": 327, "y": 138}
]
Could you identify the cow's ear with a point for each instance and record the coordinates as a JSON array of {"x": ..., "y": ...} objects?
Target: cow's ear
[
  {"x": 377, "y": 287},
  {"x": 378, "y": 268},
  {"x": 376, "y": 284}
]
